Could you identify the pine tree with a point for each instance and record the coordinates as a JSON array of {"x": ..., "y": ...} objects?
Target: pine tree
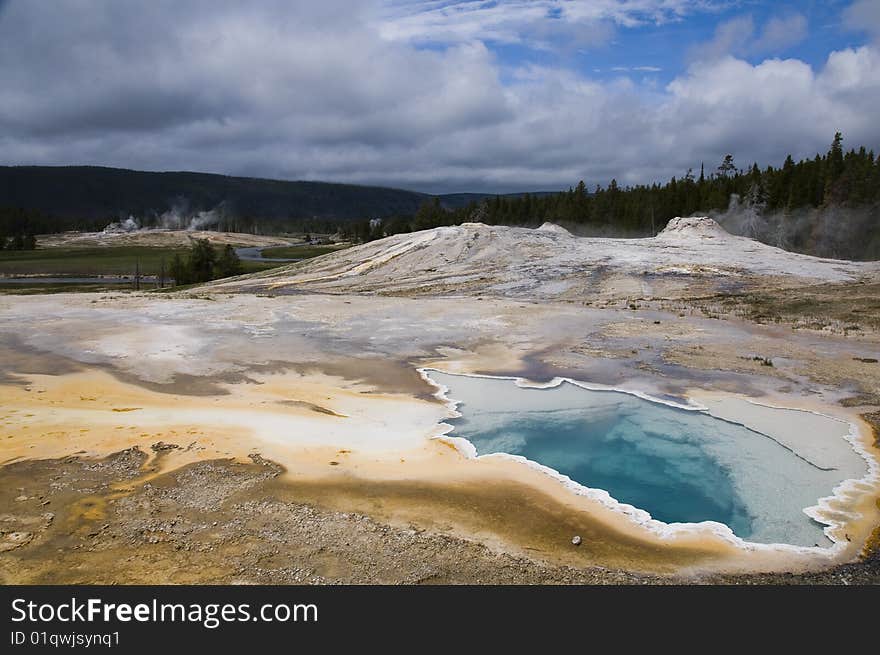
[
  {"x": 727, "y": 167},
  {"x": 835, "y": 157},
  {"x": 179, "y": 271},
  {"x": 228, "y": 264},
  {"x": 834, "y": 166},
  {"x": 753, "y": 211},
  {"x": 430, "y": 214},
  {"x": 201, "y": 260}
]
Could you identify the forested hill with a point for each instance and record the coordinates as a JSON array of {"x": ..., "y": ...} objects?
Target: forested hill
[
  {"x": 40, "y": 199},
  {"x": 93, "y": 196}
]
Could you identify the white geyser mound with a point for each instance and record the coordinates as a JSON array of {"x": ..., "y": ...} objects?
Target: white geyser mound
[
  {"x": 130, "y": 224},
  {"x": 701, "y": 227}
]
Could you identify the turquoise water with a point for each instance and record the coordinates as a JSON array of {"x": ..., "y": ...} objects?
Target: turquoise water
[
  {"x": 669, "y": 474},
  {"x": 679, "y": 465}
]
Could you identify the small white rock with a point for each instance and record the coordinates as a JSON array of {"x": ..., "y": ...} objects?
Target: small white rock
[{"x": 576, "y": 540}]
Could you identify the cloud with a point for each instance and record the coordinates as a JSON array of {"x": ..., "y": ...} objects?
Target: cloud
[
  {"x": 541, "y": 24},
  {"x": 314, "y": 90},
  {"x": 730, "y": 37},
  {"x": 777, "y": 105},
  {"x": 739, "y": 36},
  {"x": 215, "y": 70},
  {"x": 637, "y": 69},
  {"x": 863, "y": 16},
  {"x": 781, "y": 33}
]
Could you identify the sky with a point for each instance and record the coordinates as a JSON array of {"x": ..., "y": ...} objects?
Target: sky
[{"x": 435, "y": 95}]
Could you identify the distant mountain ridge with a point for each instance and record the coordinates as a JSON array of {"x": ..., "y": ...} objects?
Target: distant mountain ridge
[
  {"x": 96, "y": 194},
  {"x": 99, "y": 192}
]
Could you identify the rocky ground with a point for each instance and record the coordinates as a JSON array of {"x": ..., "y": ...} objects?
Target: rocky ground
[{"x": 218, "y": 522}]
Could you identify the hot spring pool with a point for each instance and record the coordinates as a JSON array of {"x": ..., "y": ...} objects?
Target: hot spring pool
[{"x": 681, "y": 466}]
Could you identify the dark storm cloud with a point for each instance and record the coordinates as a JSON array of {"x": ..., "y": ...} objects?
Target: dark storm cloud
[{"x": 319, "y": 90}]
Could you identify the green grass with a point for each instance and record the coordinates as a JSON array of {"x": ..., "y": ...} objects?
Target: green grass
[
  {"x": 112, "y": 260},
  {"x": 300, "y": 252},
  {"x": 256, "y": 267},
  {"x": 119, "y": 260},
  {"x": 35, "y": 289}
]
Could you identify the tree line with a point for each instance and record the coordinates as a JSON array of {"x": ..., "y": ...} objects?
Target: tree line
[
  {"x": 18, "y": 228},
  {"x": 827, "y": 205}
]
